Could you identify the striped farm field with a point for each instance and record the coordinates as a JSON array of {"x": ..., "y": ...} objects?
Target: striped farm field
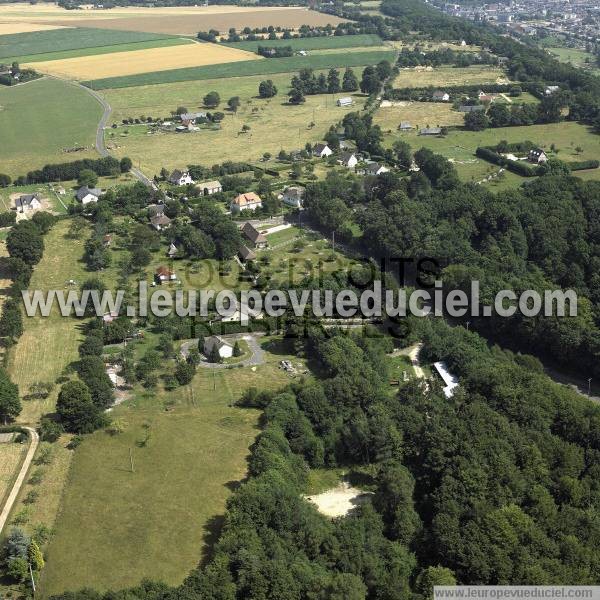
[
  {"x": 61, "y": 55},
  {"x": 120, "y": 64},
  {"x": 58, "y": 40},
  {"x": 314, "y": 43},
  {"x": 266, "y": 66}
]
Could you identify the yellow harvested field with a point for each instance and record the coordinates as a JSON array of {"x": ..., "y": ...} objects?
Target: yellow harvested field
[
  {"x": 421, "y": 114},
  {"x": 8, "y": 27},
  {"x": 142, "y": 61}
]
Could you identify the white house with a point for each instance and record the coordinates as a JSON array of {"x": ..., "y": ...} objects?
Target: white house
[
  {"x": 293, "y": 195},
  {"x": 440, "y": 96},
  {"x": 224, "y": 348},
  {"x": 210, "y": 187},
  {"x": 85, "y": 195},
  {"x": 348, "y": 159},
  {"x": 28, "y": 202},
  {"x": 164, "y": 274},
  {"x": 180, "y": 177},
  {"x": 247, "y": 201},
  {"x": 345, "y": 101},
  {"x": 537, "y": 156},
  {"x": 376, "y": 169},
  {"x": 449, "y": 380},
  {"x": 322, "y": 150},
  {"x": 550, "y": 89}
]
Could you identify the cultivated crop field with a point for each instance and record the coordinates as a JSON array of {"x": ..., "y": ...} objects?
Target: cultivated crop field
[
  {"x": 274, "y": 124},
  {"x": 420, "y": 114},
  {"x": 40, "y": 119},
  {"x": 57, "y": 40},
  {"x": 246, "y": 68},
  {"x": 12, "y": 27},
  {"x": 142, "y": 61},
  {"x": 449, "y": 76}
]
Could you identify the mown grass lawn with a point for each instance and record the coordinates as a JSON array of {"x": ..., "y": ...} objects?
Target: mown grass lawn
[
  {"x": 156, "y": 521},
  {"x": 40, "y": 120}
]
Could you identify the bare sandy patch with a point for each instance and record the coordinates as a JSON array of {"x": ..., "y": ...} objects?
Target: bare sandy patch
[
  {"x": 9, "y": 27},
  {"x": 142, "y": 61},
  {"x": 339, "y": 501}
]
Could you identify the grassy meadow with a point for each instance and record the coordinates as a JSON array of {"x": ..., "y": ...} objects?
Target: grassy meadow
[
  {"x": 274, "y": 124},
  {"x": 245, "y": 68},
  {"x": 460, "y": 145},
  {"x": 40, "y": 119},
  {"x": 314, "y": 43},
  {"x": 11, "y": 456},
  {"x": 450, "y": 76}
]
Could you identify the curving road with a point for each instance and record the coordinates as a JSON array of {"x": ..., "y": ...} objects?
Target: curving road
[
  {"x": 14, "y": 492},
  {"x": 100, "y": 145}
]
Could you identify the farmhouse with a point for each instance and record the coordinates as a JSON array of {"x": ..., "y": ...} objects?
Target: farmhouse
[
  {"x": 247, "y": 201},
  {"x": 246, "y": 254},
  {"x": 156, "y": 210},
  {"x": 449, "y": 380},
  {"x": 439, "y": 96},
  {"x": 160, "y": 222},
  {"x": 28, "y": 202},
  {"x": 322, "y": 150},
  {"x": 375, "y": 169},
  {"x": 430, "y": 131},
  {"x": 191, "y": 117},
  {"x": 346, "y": 101},
  {"x": 225, "y": 349},
  {"x": 85, "y": 195},
  {"x": 180, "y": 178},
  {"x": 537, "y": 155},
  {"x": 164, "y": 274},
  {"x": 405, "y": 126},
  {"x": 210, "y": 187},
  {"x": 172, "y": 251},
  {"x": 348, "y": 159},
  {"x": 257, "y": 239},
  {"x": 293, "y": 195}
]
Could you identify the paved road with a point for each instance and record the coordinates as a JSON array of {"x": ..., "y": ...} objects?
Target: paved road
[
  {"x": 257, "y": 357},
  {"x": 100, "y": 145},
  {"x": 20, "y": 477}
]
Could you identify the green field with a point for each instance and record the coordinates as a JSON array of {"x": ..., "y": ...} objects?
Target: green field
[
  {"x": 460, "y": 146},
  {"x": 58, "y": 40},
  {"x": 315, "y": 43},
  {"x": 94, "y": 51},
  {"x": 578, "y": 58},
  {"x": 42, "y": 118},
  {"x": 274, "y": 124},
  {"x": 245, "y": 68}
]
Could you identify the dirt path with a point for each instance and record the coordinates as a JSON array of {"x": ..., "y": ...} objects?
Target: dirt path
[
  {"x": 414, "y": 359},
  {"x": 14, "y": 492}
]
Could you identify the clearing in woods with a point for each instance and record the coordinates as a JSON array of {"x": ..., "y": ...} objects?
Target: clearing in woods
[
  {"x": 142, "y": 61},
  {"x": 43, "y": 119},
  {"x": 413, "y": 78}
]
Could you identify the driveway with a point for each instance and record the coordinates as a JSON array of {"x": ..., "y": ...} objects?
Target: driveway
[
  {"x": 14, "y": 492},
  {"x": 256, "y": 358}
]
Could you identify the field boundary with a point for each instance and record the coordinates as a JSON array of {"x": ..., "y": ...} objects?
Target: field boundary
[{"x": 267, "y": 66}]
